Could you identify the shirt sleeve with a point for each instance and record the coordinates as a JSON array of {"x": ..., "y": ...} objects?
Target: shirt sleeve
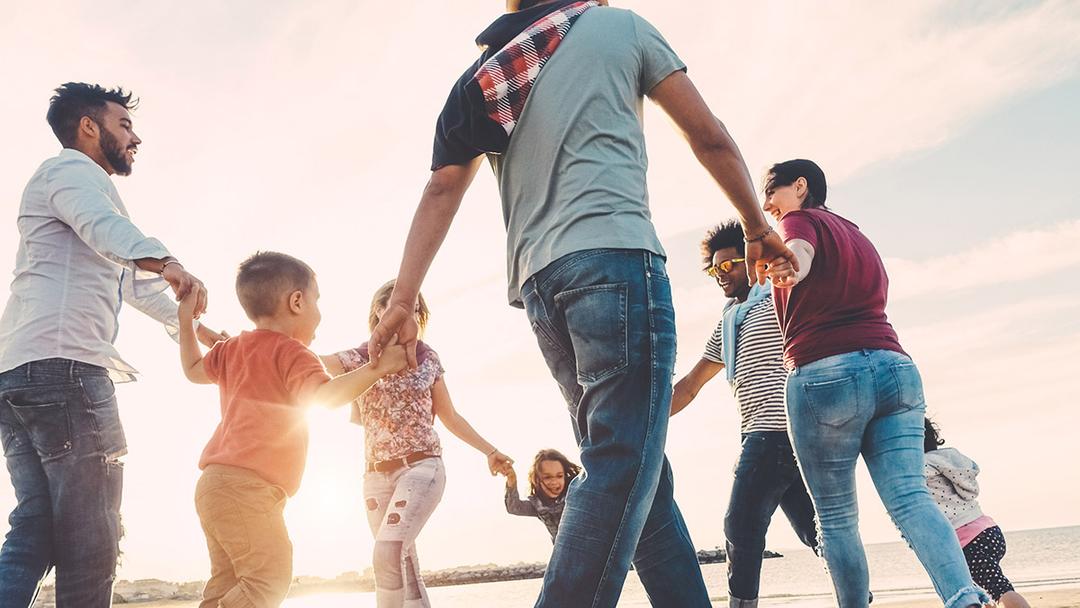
[
  {"x": 212, "y": 362},
  {"x": 158, "y": 305},
  {"x": 301, "y": 369},
  {"x": 715, "y": 346},
  {"x": 83, "y": 202},
  {"x": 516, "y": 506},
  {"x": 455, "y": 121},
  {"x": 798, "y": 225},
  {"x": 658, "y": 60}
]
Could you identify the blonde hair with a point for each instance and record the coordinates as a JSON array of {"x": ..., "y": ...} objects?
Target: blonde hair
[{"x": 382, "y": 298}]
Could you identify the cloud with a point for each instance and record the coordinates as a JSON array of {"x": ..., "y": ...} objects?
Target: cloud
[{"x": 1021, "y": 256}]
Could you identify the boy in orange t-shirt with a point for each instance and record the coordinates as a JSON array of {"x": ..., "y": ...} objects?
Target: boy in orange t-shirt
[{"x": 256, "y": 456}]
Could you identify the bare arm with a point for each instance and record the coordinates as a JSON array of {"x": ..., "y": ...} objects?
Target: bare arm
[
  {"x": 456, "y": 424},
  {"x": 191, "y": 357},
  {"x": 332, "y": 364},
  {"x": 688, "y": 387},
  {"x": 346, "y": 387},
  {"x": 718, "y": 153},
  {"x": 438, "y": 205}
]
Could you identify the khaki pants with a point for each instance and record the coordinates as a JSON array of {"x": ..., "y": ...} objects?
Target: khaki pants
[{"x": 250, "y": 550}]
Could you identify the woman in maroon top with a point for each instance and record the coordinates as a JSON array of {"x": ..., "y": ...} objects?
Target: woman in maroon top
[{"x": 852, "y": 390}]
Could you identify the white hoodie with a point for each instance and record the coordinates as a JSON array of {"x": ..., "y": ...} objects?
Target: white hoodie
[{"x": 950, "y": 476}]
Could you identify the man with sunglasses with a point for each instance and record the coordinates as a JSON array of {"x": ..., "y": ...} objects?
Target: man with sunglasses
[{"x": 747, "y": 344}]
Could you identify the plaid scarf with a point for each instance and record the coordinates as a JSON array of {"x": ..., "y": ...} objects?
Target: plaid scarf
[{"x": 505, "y": 80}]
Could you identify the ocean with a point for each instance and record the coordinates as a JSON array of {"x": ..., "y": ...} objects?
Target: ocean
[{"x": 1035, "y": 559}]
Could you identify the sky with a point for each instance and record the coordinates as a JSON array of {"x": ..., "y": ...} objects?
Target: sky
[{"x": 948, "y": 131}]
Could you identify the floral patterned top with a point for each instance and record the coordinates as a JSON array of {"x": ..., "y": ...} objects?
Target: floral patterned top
[{"x": 396, "y": 411}]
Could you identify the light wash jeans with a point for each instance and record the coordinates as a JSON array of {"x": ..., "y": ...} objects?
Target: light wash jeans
[
  {"x": 606, "y": 327},
  {"x": 870, "y": 402},
  {"x": 399, "y": 503}
]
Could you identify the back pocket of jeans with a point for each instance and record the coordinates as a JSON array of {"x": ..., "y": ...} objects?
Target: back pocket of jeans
[
  {"x": 596, "y": 321},
  {"x": 47, "y": 425},
  {"x": 833, "y": 402},
  {"x": 908, "y": 385}
]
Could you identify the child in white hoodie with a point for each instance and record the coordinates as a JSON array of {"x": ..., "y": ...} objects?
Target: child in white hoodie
[{"x": 950, "y": 476}]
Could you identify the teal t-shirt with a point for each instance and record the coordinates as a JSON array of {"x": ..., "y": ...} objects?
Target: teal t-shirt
[{"x": 573, "y": 176}]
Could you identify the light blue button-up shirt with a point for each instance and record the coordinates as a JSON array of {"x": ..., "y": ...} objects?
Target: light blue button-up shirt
[{"x": 74, "y": 269}]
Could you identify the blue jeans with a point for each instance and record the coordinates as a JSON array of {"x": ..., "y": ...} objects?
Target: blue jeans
[
  {"x": 62, "y": 441},
  {"x": 766, "y": 477},
  {"x": 606, "y": 327},
  {"x": 870, "y": 402}
]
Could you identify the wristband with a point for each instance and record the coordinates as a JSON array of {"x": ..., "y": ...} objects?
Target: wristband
[
  {"x": 751, "y": 239},
  {"x": 493, "y": 450},
  {"x": 166, "y": 265}
]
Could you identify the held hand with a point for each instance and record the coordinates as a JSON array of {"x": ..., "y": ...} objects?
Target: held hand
[
  {"x": 499, "y": 463},
  {"x": 209, "y": 337},
  {"x": 393, "y": 360},
  {"x": 764, "y": 252},
  {"x": 182, "y": 283},
  {"x": 398, "y": 320},
  {"x": 782, "y": 273},
  {"x": 511, "y": 477},
  {"x": 186, "y": 311}
]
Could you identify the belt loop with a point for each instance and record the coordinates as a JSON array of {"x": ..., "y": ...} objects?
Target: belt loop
[{"x": 71, "y": 369}]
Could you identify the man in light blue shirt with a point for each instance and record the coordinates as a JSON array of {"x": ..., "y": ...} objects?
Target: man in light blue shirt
[{"x": 80, "y": 257}]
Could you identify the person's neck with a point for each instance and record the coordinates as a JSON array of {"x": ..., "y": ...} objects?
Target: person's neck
[
  {"x": 281, "y": 326},
  {"x": 741, "y": 297},
  {"x": 95, "y": 154}
]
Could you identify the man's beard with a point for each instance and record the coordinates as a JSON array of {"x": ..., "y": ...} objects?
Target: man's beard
[{"x": 114, "y": 153}]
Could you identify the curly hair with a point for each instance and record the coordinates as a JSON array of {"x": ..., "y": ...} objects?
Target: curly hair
[
  {"x": 722, "y": 236},
  {"x": 932, "y": 435}
]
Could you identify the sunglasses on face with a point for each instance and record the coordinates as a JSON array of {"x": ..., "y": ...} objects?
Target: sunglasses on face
[{"x": 723, "y": 267}]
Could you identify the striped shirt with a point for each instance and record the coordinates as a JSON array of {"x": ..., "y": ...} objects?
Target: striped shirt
[{"x": 759, "y": 368}]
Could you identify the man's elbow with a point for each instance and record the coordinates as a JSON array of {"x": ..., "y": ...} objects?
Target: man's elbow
[{"x": 712, "y": 140}]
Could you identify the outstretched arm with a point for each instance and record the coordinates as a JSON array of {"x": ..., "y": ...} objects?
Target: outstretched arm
[
  {"x": 717, "y": 152},
  {"x": 438, "y": 205},
  {"x": 456, "y": 424},
  {"x": 191, "y": 357},
  {"x": 688, "y": 387},
  {"x": 514, "y": 504}
]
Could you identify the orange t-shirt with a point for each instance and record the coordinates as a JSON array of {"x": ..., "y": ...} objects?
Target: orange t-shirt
[{"x": 263, "y": 428}]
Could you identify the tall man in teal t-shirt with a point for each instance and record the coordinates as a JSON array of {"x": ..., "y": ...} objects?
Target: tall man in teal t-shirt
[{"x": 555, "y": 101}]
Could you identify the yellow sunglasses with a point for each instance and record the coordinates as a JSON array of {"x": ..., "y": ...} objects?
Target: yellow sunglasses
[{"x": 725, "y": 266}]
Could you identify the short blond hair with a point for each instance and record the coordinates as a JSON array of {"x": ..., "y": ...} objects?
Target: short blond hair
[{"x": 382, "y": 298}]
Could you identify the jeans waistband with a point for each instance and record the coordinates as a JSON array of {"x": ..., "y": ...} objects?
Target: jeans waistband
[{"x": 67, "y": 369}]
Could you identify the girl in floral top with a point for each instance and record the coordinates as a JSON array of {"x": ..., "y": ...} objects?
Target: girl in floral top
[{"x": 405, "y": 475}]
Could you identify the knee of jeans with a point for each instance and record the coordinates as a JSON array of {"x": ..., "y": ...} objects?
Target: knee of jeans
[{"x": 387, "y": 564}]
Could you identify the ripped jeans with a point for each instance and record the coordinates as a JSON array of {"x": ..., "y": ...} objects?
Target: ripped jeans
[
  {"x": 399, "y": 503},
  {"x": 62, "y": 440}
]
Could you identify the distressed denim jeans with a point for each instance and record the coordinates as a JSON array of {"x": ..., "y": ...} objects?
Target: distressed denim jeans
[
  {"x": 62, "y": 441},
  {"x": 604, "y": 322},
  {"x": 870, "y": 402},
  {"x": 766, "y": 477},
  {"x": 399, "y": 503}
]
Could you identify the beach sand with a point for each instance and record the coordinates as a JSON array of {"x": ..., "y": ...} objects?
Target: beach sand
[{"x": 1051, "y": 598}]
